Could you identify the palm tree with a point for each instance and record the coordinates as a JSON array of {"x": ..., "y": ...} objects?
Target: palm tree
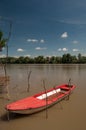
[{"x": 2, "y": 41}]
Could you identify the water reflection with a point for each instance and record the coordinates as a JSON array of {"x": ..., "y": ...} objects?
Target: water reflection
[{"x": 52, "y": 73}]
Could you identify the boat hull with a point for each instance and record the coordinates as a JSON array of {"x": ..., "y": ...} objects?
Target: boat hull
[{"x": 47, "y": 104}]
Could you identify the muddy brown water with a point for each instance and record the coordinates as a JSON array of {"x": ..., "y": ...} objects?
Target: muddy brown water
[{"x": 66, "y": 115}]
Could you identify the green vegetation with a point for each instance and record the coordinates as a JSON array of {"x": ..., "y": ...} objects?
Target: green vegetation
[
  {"x": 65, "y": 59},
  {"x": 2, "y": 41}
]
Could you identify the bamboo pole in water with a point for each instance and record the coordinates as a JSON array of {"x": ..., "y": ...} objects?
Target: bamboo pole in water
[
  {"x": 46, "y": 99},
  {"x": 9, "y": 35},
  {"x": 28, "y": 88},
  {"x": 69, "y": 85},
  {"x": 57, "y": 96}
]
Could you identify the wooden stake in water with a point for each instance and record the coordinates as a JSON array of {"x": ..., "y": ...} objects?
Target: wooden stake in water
[
  {"x": 57, "y": 97},
  {"x": 69, "y": 85},
  {"x": 8, "y": 115},
  {"x": 46, "y": 99},
  {"x": 29, "y": 74}
]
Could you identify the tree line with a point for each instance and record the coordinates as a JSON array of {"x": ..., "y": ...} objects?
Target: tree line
[{"x": 64, "y": 59}]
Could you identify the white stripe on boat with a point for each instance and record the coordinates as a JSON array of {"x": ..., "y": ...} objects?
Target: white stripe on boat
[{"x": 43, "y": 96}]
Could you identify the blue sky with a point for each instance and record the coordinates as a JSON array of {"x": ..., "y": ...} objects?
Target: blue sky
[{"x": 44, "y": 27}]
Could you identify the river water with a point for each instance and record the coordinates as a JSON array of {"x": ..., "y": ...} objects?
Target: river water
[{"x": 66, "y": 115}]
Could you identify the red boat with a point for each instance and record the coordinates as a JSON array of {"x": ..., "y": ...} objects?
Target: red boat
[{"x": 41, "y": 100}]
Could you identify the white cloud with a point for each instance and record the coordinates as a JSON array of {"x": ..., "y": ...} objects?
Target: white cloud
[
  {"x": 16, "y": 56},
  {"x": 64, "y": 35},
  {"x": 40, "y": 48},
  {"x": 32, "y": 40},
  {"x": 20, "y": 50},
  {"x": 27, "y": 55},
  {"x": 65, "y": 49},
  {"x": 73, "y": 21},
  {"x": 35, "y": 40},
  {"x": 2, "y": 55},
  {"x": 84, "y": 54},
  {"x": 75, "y": 50},
  {"x": 42, "y": 41},
  {"x": 75, "y": 42},
  {"x": 62, "y": 49},
  {"x": 59, "y": 49},
  {"x": 3, "y": 48}
]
